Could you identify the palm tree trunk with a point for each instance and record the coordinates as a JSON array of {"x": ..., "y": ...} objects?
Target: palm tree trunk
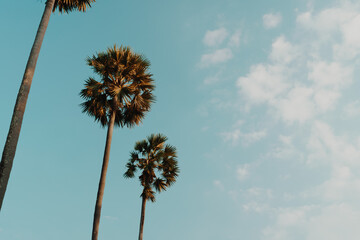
[
  {"x": 101, "y": 188},
  {"x": 142, "y": 218},
  {"x": 19, "y": 109}
]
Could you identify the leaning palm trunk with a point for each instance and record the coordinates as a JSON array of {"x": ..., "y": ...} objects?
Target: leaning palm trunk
[
  {"x": 142, "y": 218},
  {"x": 19, "y": 109},
  {"x": 101, "y": 188}
]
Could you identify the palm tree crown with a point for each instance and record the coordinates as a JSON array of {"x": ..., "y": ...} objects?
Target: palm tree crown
[
  {"x": 71, "y": 5},
  {"x": 158, "y": 163},
  {"x": 125, "y": 87}
]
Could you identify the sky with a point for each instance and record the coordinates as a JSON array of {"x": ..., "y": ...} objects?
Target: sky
[{"x": 259, "y": 97}]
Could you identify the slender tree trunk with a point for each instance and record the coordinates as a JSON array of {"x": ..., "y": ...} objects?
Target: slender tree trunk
[
  {"x": 142, "y": 218},
  {"x": 101, "y": 188},
  {"x": 19, "y": 109}
]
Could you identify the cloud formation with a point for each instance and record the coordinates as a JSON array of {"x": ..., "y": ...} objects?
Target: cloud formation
[
  {"x": 218, "y": 56},
  {"x": 215, "y": 37},
  {"x": 307, "y": 85},
  {"x": 272, "y": 20}
]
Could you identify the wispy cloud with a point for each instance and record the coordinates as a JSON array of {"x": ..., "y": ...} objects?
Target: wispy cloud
[
  {"x": 236, "y": 135},
  {"x": 234, "y": 40},
  {"x": 218, "y": 56},
  {"x": 215, "y": 37},
  {"x": 272, "y": 20},
  {"x": 352, "y": 109},
  {"x": 242, "y": 172},
  {"x": 218, "y": 184}
]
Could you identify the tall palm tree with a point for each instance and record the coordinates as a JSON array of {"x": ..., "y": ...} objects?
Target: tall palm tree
[
  {"x": 8, "y": 155},
  {"x": 121, "y": 98},
  {"x": 158, "y": 165}
]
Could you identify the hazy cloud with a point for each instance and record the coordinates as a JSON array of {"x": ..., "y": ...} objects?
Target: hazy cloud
[
  {"x": 272, "y": 20},
  {"x": 215, "y": 37},
  {"x": 218, "y": 56}
]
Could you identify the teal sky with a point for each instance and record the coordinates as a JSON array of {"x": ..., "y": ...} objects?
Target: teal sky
[{"x": 260, "y": 98}]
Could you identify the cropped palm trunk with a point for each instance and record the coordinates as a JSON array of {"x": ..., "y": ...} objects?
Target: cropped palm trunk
[
  {"x": 101, "y": 189},
  {"x": 142, "y": 218},
  {"x": 8, "y": 155}
]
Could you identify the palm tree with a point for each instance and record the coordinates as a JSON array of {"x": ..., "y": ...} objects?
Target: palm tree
[
  {"x": 158, "y": 165},
  {"x": 8, "y": 155},
  {"x": 121, "y": 98}
]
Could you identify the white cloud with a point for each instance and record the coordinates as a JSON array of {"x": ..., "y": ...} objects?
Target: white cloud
[
  {"x": 341, "y": 20},
  {"x": 296, "y": 82},
  {"x": 289, "y": 224},
  {"x": 297, "y": 105},
  {"x": 285, "y": 149},
  {"x": 232, "y": 136},
  {"x": 218, "y": 184},
  {"x": 255, "y": 207},
  {"x": 211, "y": 79},
  {"x": 338, "y": 209},
  {"x": 291, "y": 217},
  {"x": 252, "y": 137},
  {"x": 340, "y": 186},
  {"x": 283, "y": 51},
  {"x": 259, "y": 193},
  {"x": 327, "y": 21},
  {"x": 235, "y": 39},
  {"x": 325, "y": 146},
  {"x": 352, "y": 109},
  {"x": 334, "y": 222},
  {"x": 218, "y": 56},
  {"x": 214, "y": 78},
  {"x": 326, "y": 99},
  {"x": 330, "y": 74},
  {"x": 236, "y": 135},
  {"x": 215, "y": 37},
  {"x": 254, "y": 198},
  {"x": 350, "y": 47},
  {"x": 314, "y": 222},
  {"x": 272, "y": 20},
  {"x": 263, "y": 84},
  {"x": 242, "y": 172}
]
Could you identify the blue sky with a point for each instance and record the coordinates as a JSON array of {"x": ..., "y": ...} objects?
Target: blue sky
[{"x": 261, "y": 100}]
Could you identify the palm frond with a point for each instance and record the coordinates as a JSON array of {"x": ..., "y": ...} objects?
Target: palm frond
[
  {"x": 148, "y": 194},
  {"x": 141, "y": 146},
  {"x": 131, "y": 169},
  {"x": 156, "y": 141},
  {"x": 170, "y": 151},
  {"x": 134, "y": 156},
  {"x": 159, "y": 184},
  {"x": 66, "y": 6}
]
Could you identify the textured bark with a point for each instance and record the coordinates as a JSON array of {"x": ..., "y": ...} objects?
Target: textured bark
[
  {"x": 8, "y": 155},
  {"x": 142, "y": 218},
  {"x": 101, "y": 189}
]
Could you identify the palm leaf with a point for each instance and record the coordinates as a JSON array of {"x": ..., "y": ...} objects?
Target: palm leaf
[{"x": 71, "y": 5}]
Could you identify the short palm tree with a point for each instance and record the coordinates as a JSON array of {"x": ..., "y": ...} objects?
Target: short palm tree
[
  {"x": 19, "y": 109},
  {"x": 121, "y": 98},
  {"x": 158, "y": 165}
]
